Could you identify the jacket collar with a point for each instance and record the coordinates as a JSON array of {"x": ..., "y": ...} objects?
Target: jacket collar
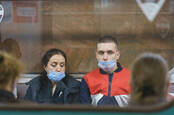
[{"x": 119, "y": 68}]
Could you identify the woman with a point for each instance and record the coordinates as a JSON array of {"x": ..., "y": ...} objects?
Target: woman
[
  {"x": 149, "y": 80},
  {"x": 10, "y": 68},
  {"x": 54, "y": 85}
]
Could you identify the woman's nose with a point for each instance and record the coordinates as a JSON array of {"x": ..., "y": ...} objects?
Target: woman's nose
[{"x": 58, "y": 69}]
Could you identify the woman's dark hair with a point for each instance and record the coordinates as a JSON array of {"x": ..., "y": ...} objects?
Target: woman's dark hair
[
  {"x": 50, "y": 53},
  {"x": 45, "y": 59}
]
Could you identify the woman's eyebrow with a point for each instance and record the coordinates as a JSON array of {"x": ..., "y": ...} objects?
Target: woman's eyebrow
[{"x": 54, "y": 62}]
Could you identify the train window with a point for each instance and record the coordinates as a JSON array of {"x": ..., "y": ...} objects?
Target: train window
[{"x": 29, "y": 28}]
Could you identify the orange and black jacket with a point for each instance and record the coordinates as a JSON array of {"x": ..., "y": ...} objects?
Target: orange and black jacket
[{"x": 100, "y": 88}]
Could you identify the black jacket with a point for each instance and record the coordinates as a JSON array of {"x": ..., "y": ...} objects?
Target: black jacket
[
  {"x": 7, "y": 97},
  {"x": 66, "y": 92}
]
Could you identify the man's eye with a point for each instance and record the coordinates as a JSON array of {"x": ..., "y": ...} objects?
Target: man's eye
[
  {"x": 110, "y": 52},
  {"x": 100, "y": 52}
]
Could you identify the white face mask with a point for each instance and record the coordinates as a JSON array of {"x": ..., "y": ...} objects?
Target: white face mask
[{"x": 107, "y": 66}]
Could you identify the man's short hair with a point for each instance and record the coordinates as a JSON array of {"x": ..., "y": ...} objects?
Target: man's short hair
[
  {"x": 108, "y": 39},
  {"x": 149, "y": 79}
]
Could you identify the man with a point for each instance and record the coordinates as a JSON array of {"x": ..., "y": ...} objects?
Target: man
[{"x": 109, "y": 84}]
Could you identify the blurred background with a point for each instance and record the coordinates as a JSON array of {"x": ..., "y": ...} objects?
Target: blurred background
[{"x": 29, "y": 28}]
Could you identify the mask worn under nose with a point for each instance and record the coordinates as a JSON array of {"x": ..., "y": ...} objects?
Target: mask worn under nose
[
  {"x": 107, "y": 66},
  {"x": 56, "y": 76}
]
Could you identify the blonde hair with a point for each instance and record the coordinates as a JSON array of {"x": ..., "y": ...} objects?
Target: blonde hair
[
  {"x": 149, "y": 79},
  {"x": 10, "y": 68}
]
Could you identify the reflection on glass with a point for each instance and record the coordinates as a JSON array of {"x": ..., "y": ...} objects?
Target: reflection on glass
[{"x": 30, "y": 28}]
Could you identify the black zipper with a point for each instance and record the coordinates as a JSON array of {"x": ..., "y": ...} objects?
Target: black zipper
[{"x": 110, "y": 81}]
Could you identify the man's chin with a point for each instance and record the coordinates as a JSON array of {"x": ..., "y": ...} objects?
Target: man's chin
[{"x": 107, "y": 70}]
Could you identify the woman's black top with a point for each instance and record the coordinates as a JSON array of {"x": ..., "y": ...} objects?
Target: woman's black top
[{"x": 40, "y": 91}]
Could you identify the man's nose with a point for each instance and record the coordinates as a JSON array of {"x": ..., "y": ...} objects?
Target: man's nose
[{"x": 105, "y": 57}]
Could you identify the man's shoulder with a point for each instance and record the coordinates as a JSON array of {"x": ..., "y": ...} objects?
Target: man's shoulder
[
  {"x": 92, "y": 73},
  {"x": 125, "y": 70},
  {"x": 126, "y": 73},
  {"x": 92, "y": 76},
  {"x": 95, "y": 71}
]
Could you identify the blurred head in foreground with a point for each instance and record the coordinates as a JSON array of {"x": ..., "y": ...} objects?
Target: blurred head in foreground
[
  {"x": 10, "y": 68},
  {"x": 149, "y": 80}
]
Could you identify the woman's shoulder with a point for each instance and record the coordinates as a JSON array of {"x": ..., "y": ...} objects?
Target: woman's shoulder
[
  {"x": 35, "y": 80},
  {"x": 72, "y": 81}
]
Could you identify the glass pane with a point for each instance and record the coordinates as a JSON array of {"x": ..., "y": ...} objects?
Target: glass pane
[{"x": 29, "y": 28}]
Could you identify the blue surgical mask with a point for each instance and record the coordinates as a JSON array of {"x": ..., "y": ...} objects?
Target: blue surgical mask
[
  {"x": 56, "y": 76},
  {"x": 107, "y": 66}
]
